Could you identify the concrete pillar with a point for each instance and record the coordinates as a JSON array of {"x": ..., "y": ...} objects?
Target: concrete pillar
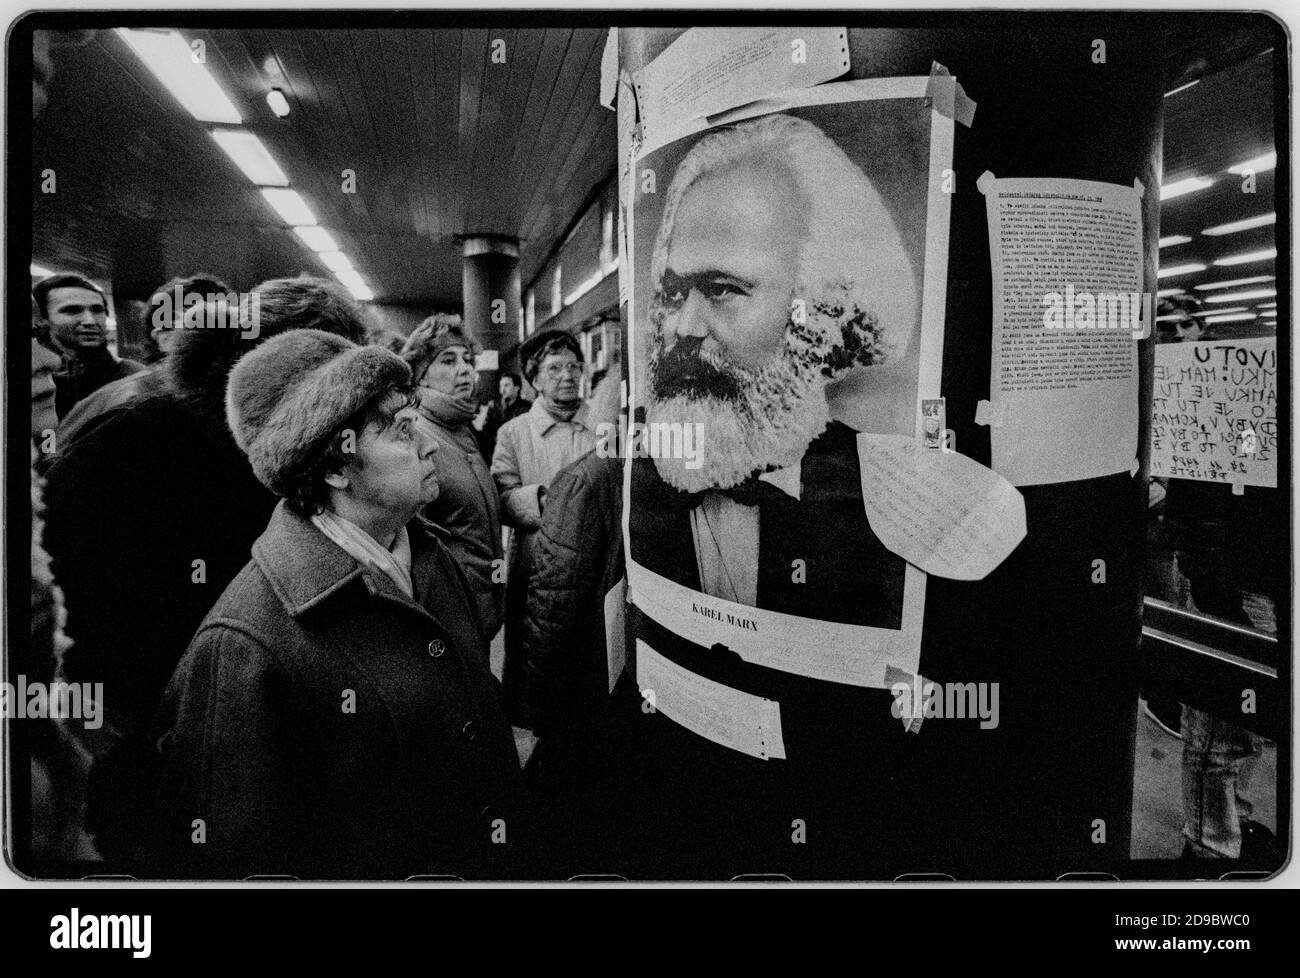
[{"x": 491, "y": 296}]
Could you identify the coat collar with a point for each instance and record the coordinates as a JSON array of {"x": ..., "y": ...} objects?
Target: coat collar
[
  {"x": 306, "y": 568},
  {"x": 543, "y": 421}
]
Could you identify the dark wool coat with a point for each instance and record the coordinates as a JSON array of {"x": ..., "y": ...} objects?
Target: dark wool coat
[
  {"x": 321, "y": 723},
  {"x": 146, "y": 489}
]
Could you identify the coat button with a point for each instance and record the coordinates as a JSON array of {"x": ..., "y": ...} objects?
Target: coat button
[
  {"x": 470, "y": 730},
  {"x": 437, "y": 647}
]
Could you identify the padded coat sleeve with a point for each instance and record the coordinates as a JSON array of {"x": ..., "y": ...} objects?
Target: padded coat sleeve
[{"x": 564, "y": 673}]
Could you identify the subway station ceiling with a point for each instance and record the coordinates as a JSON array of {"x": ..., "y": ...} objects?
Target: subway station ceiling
[{"x": 444, "y": 139}]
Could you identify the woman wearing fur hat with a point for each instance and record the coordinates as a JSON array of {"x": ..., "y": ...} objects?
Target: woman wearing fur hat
[
  {"x": 335, "y": 714},
  {"x": 441, "y": 354}
]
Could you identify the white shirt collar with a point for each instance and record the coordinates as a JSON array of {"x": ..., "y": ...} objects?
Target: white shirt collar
[{"x": 788, "y": 479}]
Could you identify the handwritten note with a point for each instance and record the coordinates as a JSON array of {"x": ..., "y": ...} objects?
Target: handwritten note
[
  {"x": 726, "y": 716},
  {"x": 938, "y": 510},
  {"x": 1214, "y": 411}
]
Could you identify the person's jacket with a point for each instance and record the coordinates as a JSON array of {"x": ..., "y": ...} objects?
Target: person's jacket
[
  {"x": 578, "y": 558},
  {"x": 469, "y": 509},
  {"x": 83, "y": 374},
  {"x": 151, "y": 511},
  {"x": 322, "y": 723}
]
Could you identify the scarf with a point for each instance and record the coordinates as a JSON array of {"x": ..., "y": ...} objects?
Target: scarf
[
  {"x": 365, "y": 549},
  {"x": 448, "y": 411},
  {"x": 565, "y": 413}
]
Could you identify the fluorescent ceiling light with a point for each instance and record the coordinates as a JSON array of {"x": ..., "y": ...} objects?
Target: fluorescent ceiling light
[
  {"x": 1220, "y": 312},
  {"x": 1268, "y": 305},
  {"x": 1187, "y": 269},
  {"x": 1174, "y": 239},
  {"x": 1182, "y": 88},
  {"x": 1188, "y": 185},
  {"x": 1163, "y": 293},
  {"x": 169, "y": 57},
  {"x": 1248, "y": 224},
  {"x": 1259, "y": 164},
  {"x": 278, "y": 103},
  {"x": 317, "y": 238},
  {"x": 251, "y": 156},
  {"x": 1235, "y": 317},
  {"x": 1246, "y": 257},
  {"x": 361, "y": 293},
  {"x": 289, "y": 205},
  {"x": 1229, "y": 283},
  {"x": 335, "y": 261},
  {"x": 351, "y": 277},
  {"x": 40, "y": 271},
  {"x": 1242, "y": 296},
  {"x": 583, "y": 289}
]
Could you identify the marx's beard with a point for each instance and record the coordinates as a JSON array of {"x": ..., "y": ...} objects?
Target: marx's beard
[{"x": 751, "y": 420}]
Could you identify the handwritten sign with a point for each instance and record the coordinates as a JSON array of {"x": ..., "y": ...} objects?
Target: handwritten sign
[{"x": 1214, "y": 412}]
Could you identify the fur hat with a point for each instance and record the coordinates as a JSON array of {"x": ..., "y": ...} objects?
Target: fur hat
[{"x": 287, "y": 397}]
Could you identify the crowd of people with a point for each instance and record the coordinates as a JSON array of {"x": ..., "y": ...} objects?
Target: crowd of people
[{"x": 278, "y": 553}]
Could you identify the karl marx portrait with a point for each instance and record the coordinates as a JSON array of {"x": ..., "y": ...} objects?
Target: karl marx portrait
[{"x": 777, "y": 270}]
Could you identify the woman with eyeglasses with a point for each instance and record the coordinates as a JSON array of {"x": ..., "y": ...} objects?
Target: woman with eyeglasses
[
  {"x": 441, "y": 354},
  {"x": 530, "y": 451}
]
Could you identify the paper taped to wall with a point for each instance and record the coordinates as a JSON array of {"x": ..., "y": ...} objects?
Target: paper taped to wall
[
  {"x": 1214, "y": 412},
  {"x": 710, "y": 69},
  {"x": 726, "y": 716},
  {"x": 938, "y": 510},
  {"x": 1068, "y": 308},
  {"x": 615, "y": 635}
]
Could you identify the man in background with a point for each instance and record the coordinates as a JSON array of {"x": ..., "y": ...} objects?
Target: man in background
[
  {"x": 507, "y": 407},
  {"x": 76, "y": 313}
]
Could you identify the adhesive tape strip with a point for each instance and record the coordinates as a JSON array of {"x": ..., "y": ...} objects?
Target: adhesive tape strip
[
  {"x": 991, "y": 415},
  {"x": 947, "y": 97}
]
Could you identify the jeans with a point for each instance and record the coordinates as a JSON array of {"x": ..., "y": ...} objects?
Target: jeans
[{"x": 1218, "y": 759}]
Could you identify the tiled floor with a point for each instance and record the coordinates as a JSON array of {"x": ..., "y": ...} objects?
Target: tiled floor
[{"x": 1157, "y": 803}]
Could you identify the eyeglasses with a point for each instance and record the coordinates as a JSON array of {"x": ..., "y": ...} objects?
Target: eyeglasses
[{"x": 571, "y": 369}]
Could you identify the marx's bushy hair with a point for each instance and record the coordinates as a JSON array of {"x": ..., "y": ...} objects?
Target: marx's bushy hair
[{"x": 852, "y": 258}]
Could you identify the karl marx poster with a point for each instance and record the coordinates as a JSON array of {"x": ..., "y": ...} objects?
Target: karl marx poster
[{"x": 778, "y": 282}]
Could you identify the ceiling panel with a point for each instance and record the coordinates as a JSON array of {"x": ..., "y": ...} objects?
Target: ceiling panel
[
  {"x": 443, "y": 141},
  {"x": 1225, "y": 119}
]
